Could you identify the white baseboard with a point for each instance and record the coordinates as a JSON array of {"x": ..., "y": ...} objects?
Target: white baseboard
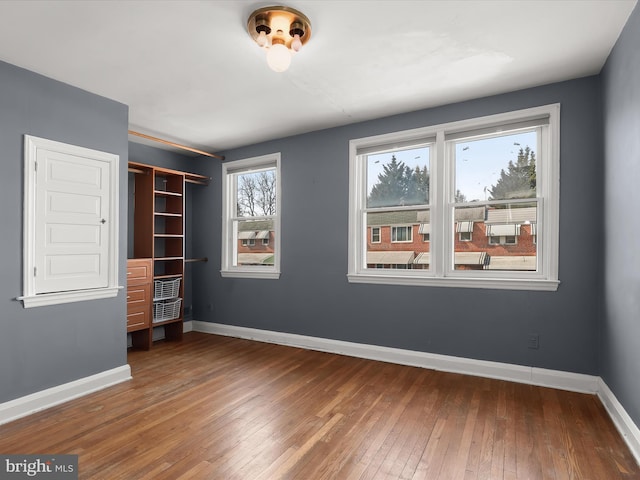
[
  {"x": 23, "y": 406},
  {"x": 623, "y": 422},
  {"x": 503, "y": 371}
]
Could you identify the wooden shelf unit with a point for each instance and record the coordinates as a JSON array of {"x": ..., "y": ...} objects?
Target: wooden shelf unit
[{"x": 159, "y": 236}]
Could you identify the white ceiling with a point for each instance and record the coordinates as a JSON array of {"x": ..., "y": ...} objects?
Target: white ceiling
[{"x": 191, "y": 74}]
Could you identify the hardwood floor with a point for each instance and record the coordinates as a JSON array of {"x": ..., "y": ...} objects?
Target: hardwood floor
[{"x": 214, "y": 407}]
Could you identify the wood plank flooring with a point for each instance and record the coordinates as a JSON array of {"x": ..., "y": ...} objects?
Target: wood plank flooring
[{"x": 213, "y": 407}]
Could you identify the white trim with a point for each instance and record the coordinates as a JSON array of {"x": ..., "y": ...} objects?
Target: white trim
[
  {"x": 56, "y": 298},
  {"x": 387, "y": 278},
  {"x": 23, "y": 406},
  {"x": 249, "y": 274},
  {"x": 621, "y": 419},
  {"x": 503, "y": 371}
]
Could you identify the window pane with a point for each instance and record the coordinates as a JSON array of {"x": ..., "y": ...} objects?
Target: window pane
[
  {"x": 496, "y": 168},
  {"x": 398, "y": 178},
  {"x": 256, "y": 193},
  {"x": 254, "y": 242},
  {"x": 503, "y": 237},
  {"x": 399, "y": 246}
]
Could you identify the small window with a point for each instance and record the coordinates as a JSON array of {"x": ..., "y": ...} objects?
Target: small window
[
  {"x": 251, "y": 210},
  {"x": 426, "y": 237},
  {"x": 402, "y": 234},
  {"x": 503, "y": 240},
  {"x": 465, "y": 236},
  {"x": 375, "y": 234}
]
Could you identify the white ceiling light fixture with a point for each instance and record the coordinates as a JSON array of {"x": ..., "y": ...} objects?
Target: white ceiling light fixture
[{"x": 281, "y": 31}]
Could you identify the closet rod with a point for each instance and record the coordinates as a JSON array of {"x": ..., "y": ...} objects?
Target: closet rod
[
  {"x": 177, "y": 145},
  {"x": 193, "y": 260}
]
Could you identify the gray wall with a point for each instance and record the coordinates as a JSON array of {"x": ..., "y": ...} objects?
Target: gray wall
[
  {"x": 47, "y": 346},
  {"x": 620, "y": 334},
  {"x": 314, "y": 298}
]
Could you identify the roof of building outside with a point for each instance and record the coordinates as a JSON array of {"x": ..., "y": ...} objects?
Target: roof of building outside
[
  {"x": 400, "y": 217},
  {"x": 255, "y": 225}
]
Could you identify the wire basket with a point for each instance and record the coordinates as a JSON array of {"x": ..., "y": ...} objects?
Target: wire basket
[
  {"x": 166, "y": 310},
  {"x": 164, "y": 289}
]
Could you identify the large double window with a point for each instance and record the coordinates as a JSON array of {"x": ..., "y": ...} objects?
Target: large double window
[
  {"x": 483, "y": 192},
  {"x": 251, "y": 217}
]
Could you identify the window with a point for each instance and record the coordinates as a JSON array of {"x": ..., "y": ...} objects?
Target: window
[
  {"x": 401, "y": 234},
  {"x": 251, "y": 211},
  {"x": 375, "y": 234},
  {"x": 465, "y": 231},
  {"x": 70, "y": 223},
  {"x": 498, "y": 175},
  {"x": 425, "y": 230},
  {"x": 503, "y": 240}
]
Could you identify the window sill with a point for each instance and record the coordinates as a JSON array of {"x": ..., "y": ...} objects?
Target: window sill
[
  {"x": 44, "y": 299},
  {"x": 271, "y": 275},
  {"x": 487, "y": 283}
]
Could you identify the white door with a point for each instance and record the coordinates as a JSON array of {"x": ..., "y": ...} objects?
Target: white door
[{"x": 72, "y": 229}]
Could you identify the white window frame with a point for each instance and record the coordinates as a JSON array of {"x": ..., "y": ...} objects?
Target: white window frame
[
  {"x": 229, "y": 198},
  {"x": 379, "y": 229},
  {"x": 442, "y": 191},
  {"x": 409, "y": 230},
  {"x": 461, "y": 236},
  {"x": 31, "y": 219}
]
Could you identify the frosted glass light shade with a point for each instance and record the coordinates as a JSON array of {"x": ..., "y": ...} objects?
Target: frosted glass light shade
[{"x": 278, "y": 57}]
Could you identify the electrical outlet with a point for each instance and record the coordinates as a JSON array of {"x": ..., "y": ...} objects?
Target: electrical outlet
[{"x": 534, "y": 341}]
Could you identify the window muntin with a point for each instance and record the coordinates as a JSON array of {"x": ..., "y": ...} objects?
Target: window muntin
[
  {"x": 451, "y": 259},
  {"x": 251, "y": 206}
]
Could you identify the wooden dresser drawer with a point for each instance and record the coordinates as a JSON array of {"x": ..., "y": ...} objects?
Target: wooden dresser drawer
[
  {"x": 138, "y": 306},
  {"x": 138, "y": 318},
  {"x": 138, "y": 295},
  {"x": 139, "y": 271}
]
